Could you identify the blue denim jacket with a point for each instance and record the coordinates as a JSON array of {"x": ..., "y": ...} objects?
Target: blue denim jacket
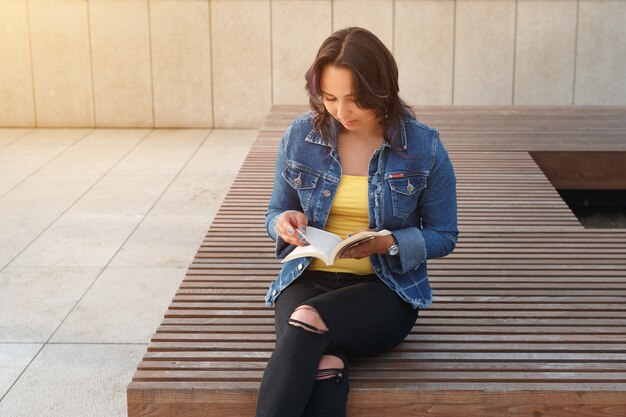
[{"x": 413, "y": 197}]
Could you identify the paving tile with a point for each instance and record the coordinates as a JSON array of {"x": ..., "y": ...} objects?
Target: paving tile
[
  {"x": 122, "y": 194},
  {"x": 205, "y": 180},
  {"x": 42, "y": 195},
  {"x": 163, "y": 152},
  {"x": 14, "y": 358},
  {"x": 34, "y": 301},
  {"x": 8, "y": 182},
  {"x": 22, "y": 158},
  {"x": 194, "y": 195},
  {"x": 164, "y": 241},
  {"x": 10, "y": 135},
  {"x": 223, "y": 151},
  {"x": 79, "y": 240},
  {"x": 75, "y": 380},
  {"x": 125, "y": 305},
  {"x": 96, "y": 153},
  {"x": 18, "y": 231}
]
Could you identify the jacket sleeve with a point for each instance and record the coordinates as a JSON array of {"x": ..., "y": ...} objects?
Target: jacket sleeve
[
  {"x": 284, "y": 197},
  {"x": 437, "y": 208}
]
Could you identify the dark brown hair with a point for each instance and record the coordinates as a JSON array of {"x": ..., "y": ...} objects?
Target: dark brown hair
[{"x": 375, "y": 81}]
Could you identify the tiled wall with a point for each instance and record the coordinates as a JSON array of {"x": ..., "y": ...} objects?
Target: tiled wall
[{"x": 223, "y": 63}]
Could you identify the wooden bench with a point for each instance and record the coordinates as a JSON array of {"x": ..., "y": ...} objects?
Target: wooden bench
[{"x": 529, "y": 312}]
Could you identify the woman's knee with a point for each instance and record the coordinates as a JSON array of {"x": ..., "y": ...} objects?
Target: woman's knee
[
  {"x": 309, "y": 319},
  {"x": 330, "y": 366}
]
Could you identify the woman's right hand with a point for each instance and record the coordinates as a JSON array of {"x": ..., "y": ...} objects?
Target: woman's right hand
[{"x": 288, "y": 225}]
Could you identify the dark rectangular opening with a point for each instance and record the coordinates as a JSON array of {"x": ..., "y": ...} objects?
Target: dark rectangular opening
[{"x": 593, "y": 184}]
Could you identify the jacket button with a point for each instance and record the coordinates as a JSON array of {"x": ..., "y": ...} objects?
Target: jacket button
[
  {"x": 326, "y": 193},
  {"x": 274, "y": 292},
  {"x": 410, "y": 187},
  {"x": 298, "y": 182},
  {"x": 299, "y": 267}
]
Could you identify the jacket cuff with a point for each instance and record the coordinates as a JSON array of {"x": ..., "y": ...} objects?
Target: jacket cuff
[
  {"x": 412, "y": 250},
  {"x": 282, "y": 248}
]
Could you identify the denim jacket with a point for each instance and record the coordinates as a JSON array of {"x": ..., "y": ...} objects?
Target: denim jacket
[{"x": 414, "y": 197}]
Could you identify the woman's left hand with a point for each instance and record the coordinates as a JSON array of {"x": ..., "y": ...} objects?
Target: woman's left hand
[{"x": 379, "y": 244}]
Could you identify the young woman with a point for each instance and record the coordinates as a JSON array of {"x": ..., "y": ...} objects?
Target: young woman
[{"x": 360, "y": 160}]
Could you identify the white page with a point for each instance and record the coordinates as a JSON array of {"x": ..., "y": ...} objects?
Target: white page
[{"x": 321, "y": 239}]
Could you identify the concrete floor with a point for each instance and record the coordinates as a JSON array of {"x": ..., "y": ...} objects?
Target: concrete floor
[{"x": 97, "y": 228}]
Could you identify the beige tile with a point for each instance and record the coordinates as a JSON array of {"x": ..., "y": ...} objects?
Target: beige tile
[
  {"x": 34, "y": 301},
  {"x": 163, "y": 153},
  {"x": 373, "y": 15},
  {"x": 53, "y": 137},
  {"x": 10, "y": 135},
  {"x": 544, "y": 63},
  {"x": 18, "y": 231},
  {"x": 298, "y": 30},
  {"x": 8, "y": 182},
  {"x": 601, "y": 56},
  {"x": 17, "y": 107},
  {"x": 96, "y": 153},
  {"x": 483, "y": 72},
  {"x": 181, "y": 59},
  {"x": 164, "y": 241},
  {"x": 122, "y": 194},
  {"x": 202, "y": 184},
  {"x": 14, "y": 358},
  {"x": 22, "y": 158},
  {"x": 121, "y": 63},
  {"x": 79, "y": 241},
  {"x": 61, "y": 67},
  {"x": 36, "y": 149},
  {"x": 194, "y": 195},
  {"x": 45, "y": 195},
  {"x": 424, "y": 52},
  {"x": 75, "y": 380},
  {"x": 241, "y": 62},
  {"x": 223, "y": 151},
  {"x": 125, "y": 305}
]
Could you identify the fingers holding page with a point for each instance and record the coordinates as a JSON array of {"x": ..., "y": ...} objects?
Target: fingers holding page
[
  {"x": 290, "y": 226},
  {"x": 367, "y": 247}
]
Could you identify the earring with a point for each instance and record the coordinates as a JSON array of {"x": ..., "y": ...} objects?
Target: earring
[{"x": 386, "y": 113}]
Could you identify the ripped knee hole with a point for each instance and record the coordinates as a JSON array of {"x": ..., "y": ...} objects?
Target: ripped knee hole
[
  {"x": 314, "y": 317},
  {"x": 329, "y": 373},
  {"x": 306, "y": 326}
]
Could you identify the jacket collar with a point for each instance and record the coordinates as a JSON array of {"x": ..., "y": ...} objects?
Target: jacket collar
[{"x": 314, "y": 137}]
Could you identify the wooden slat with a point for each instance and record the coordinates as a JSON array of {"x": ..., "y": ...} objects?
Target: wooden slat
[{"x": 529, "y": 312}]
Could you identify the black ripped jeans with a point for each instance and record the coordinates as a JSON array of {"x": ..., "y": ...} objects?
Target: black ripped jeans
[{"x": 364, "y": 318}]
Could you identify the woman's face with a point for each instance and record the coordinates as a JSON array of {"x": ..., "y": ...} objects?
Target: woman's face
[{"x": 339, "y": 100}]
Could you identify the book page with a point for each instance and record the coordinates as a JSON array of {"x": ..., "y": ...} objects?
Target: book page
[
  {"x": 355, "y": 240},
  {"x": 321, "y": 245},
  {"x": 321, "y": 239}
]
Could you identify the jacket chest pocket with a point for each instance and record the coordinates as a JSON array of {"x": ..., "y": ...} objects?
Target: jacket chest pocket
[
  {"x": 405, "y": 190},
  {"x": 303, "y": 182}
]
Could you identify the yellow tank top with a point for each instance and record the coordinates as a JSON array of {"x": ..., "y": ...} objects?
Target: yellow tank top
[{"x": 348, "y": 214}]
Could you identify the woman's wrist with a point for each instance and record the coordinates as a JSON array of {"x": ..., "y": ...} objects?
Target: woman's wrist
[{"x": 386, "y": 243}]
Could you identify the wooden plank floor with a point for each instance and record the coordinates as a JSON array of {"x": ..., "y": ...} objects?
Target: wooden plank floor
[{"x": 529, "y": 312}]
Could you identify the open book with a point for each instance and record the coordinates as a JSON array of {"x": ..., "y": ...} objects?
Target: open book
[{"x": 328, "y": 246}]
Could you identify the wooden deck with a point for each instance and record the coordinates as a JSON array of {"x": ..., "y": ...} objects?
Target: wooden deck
[{"x": 529, "y": 312}]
